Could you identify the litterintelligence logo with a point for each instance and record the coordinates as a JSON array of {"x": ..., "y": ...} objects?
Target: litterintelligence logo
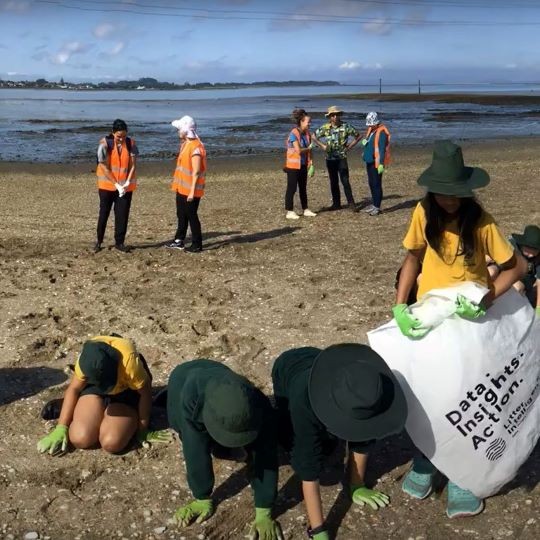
[
  {"x": 496, "y": 449},
  {"x": 489, "y": 403}
]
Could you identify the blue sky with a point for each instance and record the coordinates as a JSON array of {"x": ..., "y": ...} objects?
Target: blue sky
[{"x": 251, "y": 40}]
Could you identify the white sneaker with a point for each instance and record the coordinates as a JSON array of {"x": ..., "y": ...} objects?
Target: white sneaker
[
  {"x": 369, "y": 208},
  {"x": 309, "y": 213},
  {"x": 291, "y": 214}
]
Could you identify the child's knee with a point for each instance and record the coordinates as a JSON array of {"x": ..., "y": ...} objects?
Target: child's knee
[
  {"x": 111, "y": 442},
  {"x": 82, "y": 436}
]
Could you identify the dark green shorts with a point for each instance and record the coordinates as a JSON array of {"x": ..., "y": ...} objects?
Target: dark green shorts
[{"x": 127, "y": 397}]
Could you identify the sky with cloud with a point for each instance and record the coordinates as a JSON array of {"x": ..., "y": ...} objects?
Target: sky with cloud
[{"x": 350, "y": 41}]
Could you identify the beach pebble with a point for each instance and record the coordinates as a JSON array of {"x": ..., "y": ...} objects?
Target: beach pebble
[
  {"x": 160, "y": 530},
  {"x": 147, "y": 513},
  {"x": 33, "y": 535}
]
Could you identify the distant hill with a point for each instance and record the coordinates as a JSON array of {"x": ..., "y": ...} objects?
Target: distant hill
[{"x": 148, "y": 83}]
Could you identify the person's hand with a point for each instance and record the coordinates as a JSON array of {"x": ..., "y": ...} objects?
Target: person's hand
[
  {"x": 467, "y": 309},
  {"x": 409, "y": 325},
  {"x": 55, "y": 442},
  {"x": 198, "y": 510},
  {"x": 537, "y": 311},
  {"x": 264, "y": 527},
  {"x": 363, "y": 142},
  {"x": 380, "y": 168},
  {"x": 152, "y": 437},
  {"x": 190, "y": 198},
  {"x": 362, "y": 495},
  {"x": 311, "y": 170},
  {"x": 310, "y": 147}
]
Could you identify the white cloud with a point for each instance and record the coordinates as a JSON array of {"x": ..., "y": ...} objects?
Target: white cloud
[
  {"x": 350, "y": 65},
  {"x": 511, "y": 66},
  {"x": 104, "y": 30},
  {"x": 378, "y": 26},
  {"x": 67, "y": 51},
  {"x": 15, "y": 6},
  {"x": 118, "y": 48},
  {"x": 12, "y": 73}
]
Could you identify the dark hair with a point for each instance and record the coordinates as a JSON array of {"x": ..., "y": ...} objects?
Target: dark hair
[
  {"x": 298, "y": 115},
  {"x": 119, "y": 125},
  {"x": 469, "y": 214}
]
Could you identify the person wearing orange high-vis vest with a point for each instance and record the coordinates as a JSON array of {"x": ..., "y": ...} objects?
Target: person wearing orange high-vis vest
[
  {"x": 116, "y": 181},
  {"x": 376, "y": 143},
  {"x": 188, "y": 184},
  {"x": 298, "y": 164}
]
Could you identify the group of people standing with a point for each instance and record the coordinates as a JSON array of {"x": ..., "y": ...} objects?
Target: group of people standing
[
  {"x": 117, "y": 180},
  {"x": 335, "y": 138}
]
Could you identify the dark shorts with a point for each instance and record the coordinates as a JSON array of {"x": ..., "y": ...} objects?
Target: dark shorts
[{"x": 127, "y": 397}]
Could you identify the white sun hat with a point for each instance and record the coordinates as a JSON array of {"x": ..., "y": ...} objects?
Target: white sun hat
[
  {"x": 186, "y": 126},
  {"x": 372, "y": 119}
]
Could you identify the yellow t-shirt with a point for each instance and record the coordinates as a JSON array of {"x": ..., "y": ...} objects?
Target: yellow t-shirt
[
  {"x": 131, "y": 371},
  {"x": 451, "y": 269}
]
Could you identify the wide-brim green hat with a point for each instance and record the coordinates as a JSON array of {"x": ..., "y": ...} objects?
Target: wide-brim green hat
[
  {"x": 529, "y": 238},
  {"x": 231, "y": 412},
  {"x": 354, "y": 393},
  {"x": 98, "y": 362},
  {"x": 448, "y": 174}
]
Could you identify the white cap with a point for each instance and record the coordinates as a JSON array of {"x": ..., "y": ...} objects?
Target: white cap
[
  {"x": 186, "y": 126},
  {"x": 372, "y": 119}
]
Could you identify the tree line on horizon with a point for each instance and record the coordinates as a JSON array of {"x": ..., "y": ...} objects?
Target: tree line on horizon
[{"x": 149, "y": 83}]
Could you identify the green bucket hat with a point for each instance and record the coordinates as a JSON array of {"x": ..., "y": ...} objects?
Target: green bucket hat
[
  {"x": 231, "y": 412},
  {"x": 448, "y": 175},
  {"x": 99, "y": 363},
  {"x": 529, "y": 238},
  {"x": 355, "y": 395}
]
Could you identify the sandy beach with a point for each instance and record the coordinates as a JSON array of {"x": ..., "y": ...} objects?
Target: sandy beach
[{"x": 262, "y": 285}]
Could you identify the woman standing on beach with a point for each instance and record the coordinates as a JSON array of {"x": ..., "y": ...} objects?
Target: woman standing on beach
[
  {"x": 116, "y": 156},
  {"x": 188, "y": 183},
  {"x": 451, "y": 234},
  {"x": 298, "y": 164},
  {"x": 108, "y": 400}
]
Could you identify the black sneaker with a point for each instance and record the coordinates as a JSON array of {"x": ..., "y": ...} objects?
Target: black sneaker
[
  {"x": 333, "y": 208},
  {"x": 175, "y": 244},
  {"x": 194, "y": 249},
  {"x": 97, "y": 247},
  {"x": 122, "y": 247}
]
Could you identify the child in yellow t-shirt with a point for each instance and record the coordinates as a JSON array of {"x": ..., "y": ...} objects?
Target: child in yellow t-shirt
[
  {"x": 108, "y": 400},
  {"x": 450, "y": 236}
]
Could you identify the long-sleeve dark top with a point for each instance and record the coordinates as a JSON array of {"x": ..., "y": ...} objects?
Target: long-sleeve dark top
[
  {"x": 290, "y": 376},
  {"x": 185, "y": 400}
]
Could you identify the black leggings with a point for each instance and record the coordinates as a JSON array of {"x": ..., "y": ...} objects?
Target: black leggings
[
  {"x": 186, "y": 212},
  {"x": 296, "y": 177},
  {"x": 122, "y": 206}
]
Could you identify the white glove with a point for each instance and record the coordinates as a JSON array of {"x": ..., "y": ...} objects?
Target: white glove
[{"x": 120, "y": 189}]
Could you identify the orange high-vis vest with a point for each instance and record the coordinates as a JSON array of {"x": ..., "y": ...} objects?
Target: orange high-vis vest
[
  {"x": 183, "y": 174},
  {"x": 378, "y": 129},
  {"x": 119, "y": 163},
  {"x": 293, "y": 158}
]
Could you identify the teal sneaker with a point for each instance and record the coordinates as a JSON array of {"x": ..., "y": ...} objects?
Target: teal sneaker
[
  {"x": 462, "y": 503},
  {"x": 418, "y": 482}
]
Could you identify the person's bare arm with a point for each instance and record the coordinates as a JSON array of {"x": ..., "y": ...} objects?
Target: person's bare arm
[
  {"x": 71, "y": 396},
  {"x": 145, "y": 406},
  {"x": 409, "y": 273},
  {"x": 511, "y": 271}
]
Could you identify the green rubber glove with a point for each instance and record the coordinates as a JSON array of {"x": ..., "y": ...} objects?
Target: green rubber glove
[
  {"x": 409, "y": 325},
  {"x": 264, "y": 527},
  {"x": 467, "y": 309},
  {"x": 198, "y": 510},
  {"x": 159, "y": 436},
  {"x": 537, "y": 310},
  {"x": 310, "y": 147},
  {"x": 363, "y": 142},
  {"x": 362, "y": 495},
  {"x": 311, "y": 171},
  {"x": 55, "y": 442},
  {"x": 321, "y": 536},
  {"x": 380, "y": 168}
]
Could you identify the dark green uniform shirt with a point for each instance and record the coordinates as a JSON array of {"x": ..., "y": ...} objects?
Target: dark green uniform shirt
[
  {"x": 290, "y": 376},
  {"x": 185, "y": 400}
]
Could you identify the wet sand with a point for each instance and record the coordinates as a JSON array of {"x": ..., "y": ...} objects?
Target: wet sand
[{"x": 263, "y": 285}]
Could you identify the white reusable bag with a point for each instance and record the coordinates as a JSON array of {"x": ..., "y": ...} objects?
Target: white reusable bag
[{"x": 472, "y": 386}]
